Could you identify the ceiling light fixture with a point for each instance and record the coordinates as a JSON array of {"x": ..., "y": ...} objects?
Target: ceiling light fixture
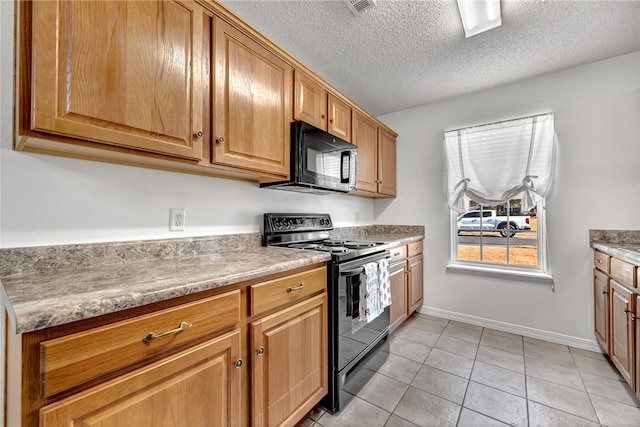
[{"x": 479, "y": 15}]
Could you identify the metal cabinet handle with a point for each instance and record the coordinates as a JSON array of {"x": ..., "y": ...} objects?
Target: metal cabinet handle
[
  {"x": 599, "y": 261},
  {"x": 626, "y": 310},
  {"x": 323, "y": 116},
  {"x": 151, "y": 336},
  {"x": 238, "y": 363},
  {"x": 220, "y": 140},
  {"x": 260, "y": 351},
  {"x": 331, "y": 120},
  {"x": 199, "y": 134},
  {"x": 395, "y": 254},
  {"x": 296, "y": 288},
  {"x": 604, "y": 292}
]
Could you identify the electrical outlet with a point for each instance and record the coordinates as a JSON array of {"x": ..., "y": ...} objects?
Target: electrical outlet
[{"x": 176, "y": 219}]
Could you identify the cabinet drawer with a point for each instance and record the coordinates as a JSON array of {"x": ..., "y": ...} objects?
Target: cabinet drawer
[
  {"x": 274, "y": 293},
  {"x": 601, "y": 261},
  {"x": 414, "y": 248},
  {"x": 398, "y": 253},
  {"x": 74, "y": 359},
  {"x": 623, "y": 272}
]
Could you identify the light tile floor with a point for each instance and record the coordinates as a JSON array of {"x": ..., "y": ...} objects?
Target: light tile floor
[{"x": 448, "y": 373}]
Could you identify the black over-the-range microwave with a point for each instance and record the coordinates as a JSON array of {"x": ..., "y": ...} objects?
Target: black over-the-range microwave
[{"x": 321, "y": 163}]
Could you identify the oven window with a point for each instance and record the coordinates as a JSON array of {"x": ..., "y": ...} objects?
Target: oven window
[{"x": 355, "y": 335}]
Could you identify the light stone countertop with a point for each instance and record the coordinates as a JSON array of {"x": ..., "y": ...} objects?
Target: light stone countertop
[
  {"x": 628, "y": 253},
  {"x": 55, "y": 285},
  {"x": 42, "y": 300},
  {"x": 624, "y": 244}
]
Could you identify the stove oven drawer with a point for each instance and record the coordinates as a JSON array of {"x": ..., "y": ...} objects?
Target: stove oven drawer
[{"x": 285, "y": 290}]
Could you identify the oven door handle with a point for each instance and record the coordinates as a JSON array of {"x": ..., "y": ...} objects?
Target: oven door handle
[{"x": 353, "y": 272}]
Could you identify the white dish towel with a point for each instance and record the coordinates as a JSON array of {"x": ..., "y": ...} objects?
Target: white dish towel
[{"x": 375, "y": 293}]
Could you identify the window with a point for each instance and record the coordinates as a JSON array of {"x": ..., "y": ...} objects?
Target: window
[{"x": 498, "y": 176}]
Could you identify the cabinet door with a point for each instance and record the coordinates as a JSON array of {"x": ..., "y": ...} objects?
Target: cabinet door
[
  {"x": 339, "y": 118},
  {"x": 622, "y": 345},
  {"x": 120, "y": 73},
  {"x": 365, "y": 136},
  {"x": 601, "y": 302},
  {"x": 416, "y": 290},
  {"x": 289, "y": 362},
  {"x": 637, "y": 350},
  {"x": 310, "y": 104},
  {"x": 198, "y": 387},
  {"x": 386, "y": 163},
  {"x": 253, "y": 110},
  {"x": 398, "y": 283}
]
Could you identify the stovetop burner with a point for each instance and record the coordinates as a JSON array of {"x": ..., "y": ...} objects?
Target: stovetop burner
[
  {"x": 360, "y": 245},
  {"x": 313, "y": 246},
  {"x": 311, "y": 232},
  {"x": 332, "y": 242}
]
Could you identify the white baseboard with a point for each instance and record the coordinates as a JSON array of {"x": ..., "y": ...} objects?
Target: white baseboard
[{"x": 554, "y": 337}]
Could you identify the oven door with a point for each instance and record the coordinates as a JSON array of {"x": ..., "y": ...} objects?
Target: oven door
[{"x": 356, "y": 337}]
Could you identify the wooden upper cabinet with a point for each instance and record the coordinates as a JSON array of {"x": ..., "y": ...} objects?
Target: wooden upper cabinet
[
  {"x": 386, "y": 162},
  {"x": 365, "y": 136},
  {"x": 253, "y": 104},
  {"x": 339, "y": 118},
  {"x": 121, "y": 73},
  {"x": 317, "y": 106},
  {"x": 376, "y": 157},
  {"x": 310, "y": 104}
]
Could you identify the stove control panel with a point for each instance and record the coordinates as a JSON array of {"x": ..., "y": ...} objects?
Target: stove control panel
[{"x": 275, "y": 223}]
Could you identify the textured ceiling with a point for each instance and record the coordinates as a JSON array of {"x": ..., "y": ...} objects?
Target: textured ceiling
[{"x": 405, "y": 53}]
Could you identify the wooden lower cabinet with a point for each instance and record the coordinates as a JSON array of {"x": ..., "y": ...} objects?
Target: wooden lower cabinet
[
  {"x": 601, "y": 308},
  {"x": 289, "y": 362},
  {"x": 637, "y": 349},
  {"x": 398, "y": 283},
  {"x": 195, "y": 361},
  {"x": 622, "y": 346},
  {"x": 200, "y": 386},
  {"x": 407, "y": 283},
  {"x": 416, "y": 282}
]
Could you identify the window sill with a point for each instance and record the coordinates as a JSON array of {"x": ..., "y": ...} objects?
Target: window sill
[{"x": 496, "y": 272}]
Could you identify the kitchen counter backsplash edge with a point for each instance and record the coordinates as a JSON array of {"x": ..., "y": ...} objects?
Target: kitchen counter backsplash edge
[
  {"x": 615, "y": 237},
  {"x": 34, "y": 259}
]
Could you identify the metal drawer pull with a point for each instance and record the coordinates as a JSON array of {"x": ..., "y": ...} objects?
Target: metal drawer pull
[
  {"x": 296, "y": 288},
  {"x": 260, "y": 351},
  {"x": 604, "y": 292},
  {"x": 238, "y": 363},
  {"x": 151, "y": 336}
]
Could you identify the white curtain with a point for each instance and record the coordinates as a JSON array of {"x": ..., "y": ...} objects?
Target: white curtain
[{"x": 493, "y": 163}]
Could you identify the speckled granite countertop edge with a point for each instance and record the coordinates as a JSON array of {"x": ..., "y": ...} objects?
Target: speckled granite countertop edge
[
  {"x": 624, "y": 244},
  {"x": 51, "y": 286}
]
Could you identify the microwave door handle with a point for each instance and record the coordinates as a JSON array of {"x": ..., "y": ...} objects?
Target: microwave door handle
[{"x": 345, "y": 167}]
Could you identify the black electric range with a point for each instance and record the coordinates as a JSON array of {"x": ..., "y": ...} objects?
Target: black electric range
[{"x": 356, "y": 348}]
